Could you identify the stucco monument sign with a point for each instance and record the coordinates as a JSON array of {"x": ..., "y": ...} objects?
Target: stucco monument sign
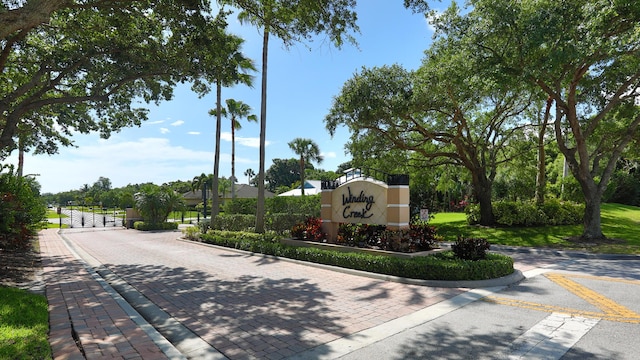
[{"x": 359, "y": 197}]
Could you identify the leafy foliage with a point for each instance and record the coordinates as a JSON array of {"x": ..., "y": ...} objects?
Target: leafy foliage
[
  {"x": 146, "y": 226},
  {"x": 584, "y": 56},
  {"x": 306, "y": 205},
  {"x": 470, "y": 248},
  {"x": 419, "y": 237},
  {"x": 82, "y": 71},
  {"x": 310, "y": 230},
  {"x": 21, "y": 209},
  {"x": 155, "y": 203},
  {"x": 441, "y": 266},
  {"x": 308, "y": 151},
  {"x": 528, "y": 213}
]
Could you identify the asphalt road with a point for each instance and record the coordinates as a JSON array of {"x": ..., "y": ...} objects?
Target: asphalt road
[{"x": 245, "y": 306}]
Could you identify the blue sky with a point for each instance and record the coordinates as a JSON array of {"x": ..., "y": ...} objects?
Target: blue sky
[{"x": 177, "y": 142}]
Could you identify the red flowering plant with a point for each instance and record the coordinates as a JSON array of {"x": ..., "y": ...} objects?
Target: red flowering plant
[{"x": 311, "y": 230}]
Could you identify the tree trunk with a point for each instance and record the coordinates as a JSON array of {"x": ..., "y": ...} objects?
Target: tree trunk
[
  {"x": 20, "y": 156},
  {"x": 482, "y": 190},
  {"x": 215, "y": 204},
  {"x": 541, "y": 180},
  {"x": 233, "y": 159},
  {"x": 302, "y": 175},
  {"x": 263, "y": 129},
  {"x": 592, "y": 222}
]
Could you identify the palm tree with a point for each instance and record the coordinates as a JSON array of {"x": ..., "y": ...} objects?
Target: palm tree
[
  {"x": 223, "y": 186},
  {"x": 290, "y": 24},
  {"x": 203, "y": 182},
  {"x": 236, "y": 110},
  {"x": 230, "y": 67},
  {"x": 249, "y": 173},
  {"x": 308, "y": 151}
]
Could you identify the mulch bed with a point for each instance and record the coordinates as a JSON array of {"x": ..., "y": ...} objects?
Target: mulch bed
[{"x": 19, "y": 266}]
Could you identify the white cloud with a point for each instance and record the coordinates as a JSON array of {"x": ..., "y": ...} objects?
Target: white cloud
[
  {"x": 153, "y": 160},
  {"x": 164, "y": 131},
  {"x": 154, "y": 122},
  {"x": 329, "y": 155},
  {"x": 193, "y": 132},
  {"x": 177, "y": 123},
  {"x": 252, "y": 142},
  {"x": 431, "y": 18}
]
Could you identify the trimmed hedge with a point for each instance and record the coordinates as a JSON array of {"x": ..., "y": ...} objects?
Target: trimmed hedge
[
  {"x": 280, "y": 223},
  {"x": 308, "y": 205},
  {"x": 440, "y": 266},
  {"x": 144, "y": 226},
  {"x": 528, "y": 213}
]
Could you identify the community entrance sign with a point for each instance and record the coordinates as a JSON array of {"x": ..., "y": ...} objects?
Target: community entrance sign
[{"x": 363, "y": 198}]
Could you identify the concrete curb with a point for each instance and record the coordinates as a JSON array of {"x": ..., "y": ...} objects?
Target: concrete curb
[{"x": 174, "y": 339}]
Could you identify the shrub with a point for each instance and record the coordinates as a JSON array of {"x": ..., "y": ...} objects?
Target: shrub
[
  {"x": 527, "y": 213},
  {"x": 147, "y": 226},
  {"x": 191, "y": 233},
  {"x": 563, "y": 212},
  {"x": 234, "y": 222},
  {"x": 423, "y": 236},
  {"x": 281, "y": 223},
  {"x": 310, "y": 230},
  {"x": 21, "y": 211},
  {"x": 308, "y": 205},
  {"x": 441, "y": 266},
  {"x": 240, "y": 206},
  {"x": 470, "y": 248},
  {"x": 419, "y": 237}
]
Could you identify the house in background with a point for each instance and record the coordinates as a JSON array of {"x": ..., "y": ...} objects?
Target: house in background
[
  {"x": 311, "y": 187},
  {"x": 243, "y": 191}
]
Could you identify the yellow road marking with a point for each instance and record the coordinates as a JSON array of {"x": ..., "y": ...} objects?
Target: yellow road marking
[{"x": 611, "y": 310}]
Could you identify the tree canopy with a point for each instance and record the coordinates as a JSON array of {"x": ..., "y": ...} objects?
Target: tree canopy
[
  {"x": 84, "y": 68},
  {"x": 585, "y": 56}
]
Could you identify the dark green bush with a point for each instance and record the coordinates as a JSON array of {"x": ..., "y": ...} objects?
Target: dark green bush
[
  {"x": 147, "y": 226},
  {"x": 21, "y": 211},
  {"x": 527, "y": 213},
  {"x": 419, "y": 237},
  {"x": 240, "y": 206},
  {"x": 281, "y": 223},
  {"x": 470, "y": 248},
  {"x": 440, "y": 266},
  {"x": 234, "y": 222},
  {"x": 308, "y": 205}
]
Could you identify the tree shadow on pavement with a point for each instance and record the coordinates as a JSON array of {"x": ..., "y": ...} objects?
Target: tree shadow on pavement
[
  {"x": 245, "y": 317},
  {"x": 445, "y": 343}
]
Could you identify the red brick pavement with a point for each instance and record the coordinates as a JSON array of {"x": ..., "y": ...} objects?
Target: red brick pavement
[
  {"x": 251, "y": 306},
  {"x": 78, "y": 304}
]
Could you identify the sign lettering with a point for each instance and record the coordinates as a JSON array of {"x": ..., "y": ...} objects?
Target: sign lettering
[{"x": 362, "y": 212}]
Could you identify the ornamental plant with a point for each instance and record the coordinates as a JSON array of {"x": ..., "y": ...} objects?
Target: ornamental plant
[
  {"x": 470, "y": 248},
  {"x": 311, "y": 230}
]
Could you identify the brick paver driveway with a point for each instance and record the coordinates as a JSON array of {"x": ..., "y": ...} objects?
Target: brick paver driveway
[{"x": 251, "y": 306}]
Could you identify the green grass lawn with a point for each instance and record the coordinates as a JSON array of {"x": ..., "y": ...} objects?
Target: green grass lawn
[
  {"x": 620, "y": 223},
  {"x": 24, "y": 324}
]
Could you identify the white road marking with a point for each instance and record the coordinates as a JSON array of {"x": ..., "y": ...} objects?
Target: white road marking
[{"x": 552, "y": 337}]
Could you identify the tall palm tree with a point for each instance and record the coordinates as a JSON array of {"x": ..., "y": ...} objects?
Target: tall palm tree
[
  {"x": 236, "y": 110},
  {"x": 249, "y": 173},
  {"x": 230, "y": 67},
  {"x": 290, "y": 24},
  {"x": 308, "y": 151}
]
